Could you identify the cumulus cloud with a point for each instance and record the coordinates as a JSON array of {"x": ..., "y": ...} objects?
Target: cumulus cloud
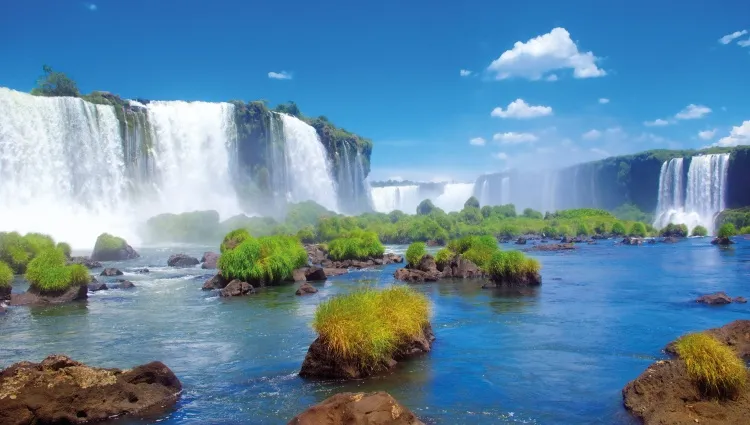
[
  {"x": 465, "y": 72},
  {"x": 519, "y": 109},
  {"x": 283, "y": 75},
  {"x": 512, "y": 138},
  {"x": 603, "y": 100},
  {"x": 729, "y": 37},
  {"x": 477, "y": 141},
  {"x": 543, "y": 54},
  {"x": 591, "y": 135},
  {"x": 744, "y": 43},
  {"x": 740, "y": 135},
  {"x": 692, "y": 112},
  {"x": 656, "y": 123},
  {"x": 551, "y": 77},
  {"x": 707, "y": 134},
  {"x": 500, "y": 155}
]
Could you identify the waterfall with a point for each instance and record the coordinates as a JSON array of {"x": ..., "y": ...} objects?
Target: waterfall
[
  {"x": 391, "y": 198},
  {"x": 308, "y": 173},
  {"x": 353, "y": 193},
  {"x": 454, "y": 196},
  {"x": 697, "y": 201},
  {"x": 505, "y": 191}
]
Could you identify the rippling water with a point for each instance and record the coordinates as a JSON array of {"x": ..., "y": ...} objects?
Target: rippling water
[{"x": 559, "y": 354}]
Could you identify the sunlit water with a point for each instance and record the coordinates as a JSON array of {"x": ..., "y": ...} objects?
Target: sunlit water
[{"x": 557, "y": 355}]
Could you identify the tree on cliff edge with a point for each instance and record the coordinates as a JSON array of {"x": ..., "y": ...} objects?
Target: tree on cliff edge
[{"x": 54, "y": 83}]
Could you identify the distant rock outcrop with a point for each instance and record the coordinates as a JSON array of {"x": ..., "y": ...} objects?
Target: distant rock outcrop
[{"x": 182, "y": 260}]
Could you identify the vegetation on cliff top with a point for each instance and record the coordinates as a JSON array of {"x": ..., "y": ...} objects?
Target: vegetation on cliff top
[
  {"x": 368, "y": 326},
  {"x": 47, "y": 272},
  {"x": 356, "y": 245},
  {"x": 716, "y": 368},
  {"x": 264, "y": 260}
]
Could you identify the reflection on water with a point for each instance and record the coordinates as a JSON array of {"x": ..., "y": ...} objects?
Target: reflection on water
[{"x": 557, "y": 354}]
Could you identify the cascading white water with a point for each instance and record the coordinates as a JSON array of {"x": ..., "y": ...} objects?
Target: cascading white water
[
  {"x": 454, "y": 196},
  {"x": 308, "y": 171},
  {"x": 704, "y": 193},
  {"x": 62, "y": 168},
  {"x": 505, "y": 191},
  {"x": 194, "y": 144},
  {"x": 391, "y": 198}
]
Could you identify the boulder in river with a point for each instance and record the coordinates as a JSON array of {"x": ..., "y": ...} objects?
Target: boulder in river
[
  {"x": 97, "y": 286},
  {"x": 110, "y": 271},
  {"x": 112, "y": 248},
  {"x": 629, "y": 240},
  {"x": 5, "y": 292},
  {"x": 32, "y": 296},
  {"x": 60, "y": 390},
  {"x": 123, "y": 284},
  {"x": 717, "y": 298},
  {"x": 740, "y": 300},
  {"x": 425, "y": 271},
  {"x": 461, "y": 268},
  {"x": 86, "y": 262},
  {"x": 209, "y": 260},
  {"x": 216, "y": 282},
  {"x": 377, "y": 408},
  {"x": 553, "y": 247},
  {"x": 237, "y": 288},
  {"x": 182, "y": 260},
  {"x": 722, "y": 241},
  {"x": 305, "y": 289},
  {"x": 315, "y": 274},
  {"x": 142, "y": 271}
]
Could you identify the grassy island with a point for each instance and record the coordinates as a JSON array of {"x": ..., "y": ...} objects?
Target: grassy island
[
  {"x": 264, "y": 260},
  {"x": 715, "y": 367},
  {"x": 415, "y": 253},
  {"x": 47, "y": 273},
  {"x": 700, "y": 231},
  {"x": 356, "y": 245},
  {"x": 17, "y": 251}
]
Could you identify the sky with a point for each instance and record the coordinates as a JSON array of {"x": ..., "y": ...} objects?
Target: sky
[{"x": 447, "y": 90}]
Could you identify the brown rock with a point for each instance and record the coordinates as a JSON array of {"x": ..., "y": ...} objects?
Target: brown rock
[
  {"x": 111, "y": 271},
  {"x": 553, "y": 247},
  {"x": 237, "y": 288},
  {"x": 305, "y": 289},
  {"x": 124, "y": 284},
  {"x": 414, "y": 275},
  {"x": 734, "y": 334},
  {"x": 740, "y": 300},
  {"x": 527, "y": 279},
  {"x": 461, "y": 268},
  {"x": 298, "y": 275},
  {"x": 62, "y": 391},
  {"x": 85, "y": 261},
  {"x": 33, "y": 296},
  {"x": 316, "y": 254},
  {"x": 313, "y": 274},
  {"x": 5, "y": 293},
  {"x": 334, "y": 272},
  {"x": 377, "y": 408},
  {"x": 718, "y": 298},
  {"x": 391, "y": 258},
  {"x": 722, "y": 241},
  {"x": 216, "y": 282},
  {"x": 182, "y": 260},
  {"x": 209, "y": 260}
]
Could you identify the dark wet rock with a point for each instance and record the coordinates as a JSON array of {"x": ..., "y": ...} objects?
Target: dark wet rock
[
  {"x": 110, "y": 271},
  {"x": 599, "y": 237},
  {"x": 305, "y": 289},
  {"x": 425, "y": 271},
  {"x": 377, "y": 408},
  {"x": 632, "y": 241},
  {"x": 670, "y": 239},
  {"x": 740, "y": 300},
  {"x": 433, "y": 243},
  {"x": 461, "y": 268},
  {"x": 526, "y": 279},
  {"x": 666, "y": 394},
  {"x": 566, "y": 239},
  {"x": 237, "y": 288},
  {"x": 216, "y": 282},
  {"x": 316, "y": 254},
  {"x": 722, "y": 241},
  {"x": 33, "y": 296},
  {"x": 320, "y": 362},
  {"x": 97, "y": 286},
  {"x": 313, "y": 274},
  {"x": 182, "y": 260},
  {"x": 5, "y": 293},
  {"x": 86, "y": 262},
  {"x": 553, "y": 247},
  {"x": 717, "y": 298},
  {"x": 62, "y": 391},
  {"x": 123, "y": 284},
  {"x": 142, "y": 271},
  {"x": 209, "y": 260},
  {"x": 330, "y": 271},
  {"x": 521, "y": 241}
]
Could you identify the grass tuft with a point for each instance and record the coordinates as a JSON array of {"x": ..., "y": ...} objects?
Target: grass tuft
[
  {"x": 265, "y": 260},
  {"x": 700, "y": 231},
  {"x": 48, "y": 272},
  {"x": 17, "y": 250},
  {"x": 6, "y": 275},
  {"x": 367, "y": 326},
  {"x": 727, "y": 230},
  {"x": 716, "y": 368},
  {"x": 415, "y": 253},
  {"x": 65, "y": 248},
  {"x": 444, "y": 256},
  {"x": 477, "y": 249},
  {"x": 356, "y": 245},
  {"x": 512, "y": 266},
  {"x": 233, "y": 239}
]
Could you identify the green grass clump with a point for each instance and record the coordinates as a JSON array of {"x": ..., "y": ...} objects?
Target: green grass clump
[
  {"x": 745, "y": 230},
  {"x": 618, "y": 229},
  {"x": 368, "y": 326},
  {"x": 233, "y": 239},
  {"x": 444, "y": 256},
  {"x": 511, "y": 266},
  {"x": 477, "y": 249},
  {"x": 675, "y": 230},
  {"x": 582, "y": 230},
  {"x": 264, "y": 260},
  {"x": 65, "y": 248},
  {"x": 6, "y": 275},
  {"x": 415, "y": 253},
  {"x": 727, "y": 230},
  {"x": 17, "y": 250},
  {"x": 356, "y": 245},
  {"x": 48, "y": 272},
  {"x": 701, "y": 231},
  {"x": 638, "y": 229},
  {"x": 715, "y": 367}
]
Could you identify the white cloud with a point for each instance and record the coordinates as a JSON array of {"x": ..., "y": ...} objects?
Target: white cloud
[
  {"x": 521, "y": 110},
  {"x": 656, "y": 123},
  {"x": 744, "y": 43},
  {"x": 477, "y": 141},
  {"x": 740, "y": 135},
  {"x": 603, "y": 100},
  {"x": 692, "y": 112},
  {"x": 500, "y": 155},
  {"x": 591, "y": 135},
  {"x": 465, "y": 72},
  {"x": 599, "y": 152},
  {"x": 512, "y": 138},
  {"x": 540, "y": 55},
  {"x": 650, "y": 137},
  {"x": 91, "y": 6},
  {"x": 283, "y": 75},
  {"x": 729, "y": 37},
  {"x": 707, "y": 135},
  {"x": 551, "y": 77}
]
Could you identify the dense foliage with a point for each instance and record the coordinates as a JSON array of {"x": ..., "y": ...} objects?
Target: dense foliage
[
  {"x": 17, "y": 250},
  {"x": 264, "y": 260},
  {"x": 233, "y": 238},
  {"x": 477, "y": 249},
  {"x": 368, "y": 326},
  {"x": 716, "y": 368},
  {"x": 54, "y": 83},
  {"x": 415, "y": 253},
  {"x": 6, "y": 275},
  {"x": 511, "y": 266},
  {"x": 638, "y": 229},
  {"x": 356, "y": 245},
  {"x": 47, "y": 272},
  {"x": 727, "y": 230},
  {"x": 675, "y": 230},
  {"x": 700, "y": 231},
  {"x": 738, "y": 217}
]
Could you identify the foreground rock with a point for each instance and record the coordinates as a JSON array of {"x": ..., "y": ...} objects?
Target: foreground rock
[
  {"x": 425, "y": 271},
  {"x": 321, "y": 363},
  {"x": 86, "y": 262},
  {"x": 377, "y": 408},
  {"x": 722, "y": 241},
  {"x": 5, "y": 292},
  {"x": 665, "y": 394},
  {"x": 62, "y": 391},
  {"x": 460, "y": 268},
  {"x": 553, "y": 247},
  {"x": 717, "y": 298},
  {"x": 209, "y": 260},
  {"x": 632, "y": 241},
  {"x": 32, "y": 296},
  {"x": 182, "y": 260},
  {"x": 110, "y": 271},
  {"x": 237, "y": 288},
  {"x": 305, "y": 289},
  {"x": 112, "y": 248}
]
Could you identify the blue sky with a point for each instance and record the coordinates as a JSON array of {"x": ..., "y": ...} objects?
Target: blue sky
[{"x": 391, "y": 70}]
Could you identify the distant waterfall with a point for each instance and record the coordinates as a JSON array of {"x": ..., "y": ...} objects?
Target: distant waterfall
[
  {"x": 454, "y": 196},
  {"x": 353, "y": 191},
  {"x": 695, "y": 201},
  {"x": 392, "y": 198}
]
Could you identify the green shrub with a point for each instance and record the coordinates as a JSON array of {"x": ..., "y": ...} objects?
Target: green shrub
[
  {"x": 444, "y": 256},
  {"x": 425, "y": 207},
  {"x": 716, "y": 368},
  {"x": 264, "y": 260},
  {"x": 233, "y": 239},
  {"x": 17, "y": 250},
  {"x": 745, "y": 230},
  {"x": 415, "y": 253},
  {"x": 675, "y": 230},
  {"x": 530, "y": 213},
  {"x": 47, "y": 272},
  {"x": 472, "y": 202},
  {"x": 638, "y": 229},
  {"x": 601, "y": 228},
  {"x": 477, "y": 249},
  {"x": 618, "y": 229},
  {"x": 700, "y": 231},
  {"x": 65, "y": 248},
  {"x": 510, "y": 266},
  {"x": 368, "y": 326},
  {"x": 6, "y": 275},
  {"x": 727, "y": 230},
  {"x": 564, "y": 230},
  {"x": 356, "y": 245},
  {"x": 582, "y": 229},
  {"x": 306, "y": 234}
]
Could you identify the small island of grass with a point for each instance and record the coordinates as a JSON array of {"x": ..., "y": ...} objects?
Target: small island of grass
[
  {"x": 262, "y": 261},
  {"x": 356, "y": 245},
  {"x": 699, "y": 231},
  {"x": 714, "y": 367},
  {"x": 726, "y": 231}
]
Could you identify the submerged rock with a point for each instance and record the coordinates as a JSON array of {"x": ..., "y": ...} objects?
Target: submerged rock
[
  {"x": 97, "y": 286},
  {"x": 182, "y": 260},
  {"x": 237, "y": 288},
  {"x": 377, "y": 408},
  {"x": 209, "y": 260},
  {"x": 305, "y": 289},
  {"x": 32, "y": 296},
  {"x": 60, "y": 390},
  {"x": 142, "y": 271},
  {"x": 320, "y": 362},
  {"x": 717, "y": 298},
  {"x": 722, "y": 241},
  {"x": 111, "y": 271},
  {"x": 391, "y": 258},
  {"x": 123, "y": 284},
  {"x": 632, "y": 241},
  {"x": 86, "y": 262}
]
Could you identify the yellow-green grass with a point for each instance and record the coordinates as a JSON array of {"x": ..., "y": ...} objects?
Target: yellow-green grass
[
  {"x": 415, "y": 253},
  {"x": 716, "y": 368},
  {"x": 444, "y": 256},
  {"x": 367, "y": 326},
  {"x": 727, "y": 230},
  {"x": 233, "y": 239},
  {"x": 6, "y": 275},
  {"x": 47, "y": 272},
  {"x": 356, "y": 245},
  {"x": 477, "y": 249},
  {"x": 17, "y": 250},
  {"x": 265, "y": 260},
  {"x": 512, "y": 265},
  {"x": 700, "y": 231}
]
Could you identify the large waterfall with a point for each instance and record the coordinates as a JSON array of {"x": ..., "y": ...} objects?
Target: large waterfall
[
  {"x": 696, "y": 199},
  {"x": 447, "y": 196}
]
